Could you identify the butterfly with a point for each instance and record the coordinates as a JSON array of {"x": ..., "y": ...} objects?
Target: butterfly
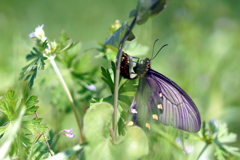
[{"x": 159, "y": 98}]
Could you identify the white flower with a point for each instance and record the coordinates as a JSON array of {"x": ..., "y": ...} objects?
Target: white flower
[{"x": 39, "y": 33}]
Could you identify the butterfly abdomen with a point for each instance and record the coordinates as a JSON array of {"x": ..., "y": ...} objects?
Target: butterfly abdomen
[{"x": 124, "y": 69}]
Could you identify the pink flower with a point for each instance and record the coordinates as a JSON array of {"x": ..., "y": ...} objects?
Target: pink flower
[
  {"x": 70, "y": 135},
  {"x": 68, "y": 130}
]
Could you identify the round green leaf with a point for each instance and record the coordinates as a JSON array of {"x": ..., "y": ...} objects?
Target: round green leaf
[
  {"x": 95, "y": 120},
  {"x": 134, "y": 146}
]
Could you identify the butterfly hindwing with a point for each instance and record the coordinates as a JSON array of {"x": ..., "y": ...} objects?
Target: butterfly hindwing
[{"x": 145, "y": 100}]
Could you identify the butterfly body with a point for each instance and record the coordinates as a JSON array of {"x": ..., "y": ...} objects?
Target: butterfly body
[{"x": 158, "y": 96}]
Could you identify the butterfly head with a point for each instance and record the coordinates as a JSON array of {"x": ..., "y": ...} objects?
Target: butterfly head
[{"x": 142, "y": 68}]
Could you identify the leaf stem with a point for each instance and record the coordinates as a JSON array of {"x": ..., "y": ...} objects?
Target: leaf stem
[
  {"x": 205, "y": 147},
  {"x": 45, "y": 138},
  {"x": 116, "y": 85},
  {"x": 54, "y": 65}
]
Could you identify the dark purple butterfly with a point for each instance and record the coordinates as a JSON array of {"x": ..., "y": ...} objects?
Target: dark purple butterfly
[{"x": 159, "y": 98}]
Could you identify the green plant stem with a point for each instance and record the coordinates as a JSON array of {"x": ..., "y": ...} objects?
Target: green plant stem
[
  {"x": 117, "y": 76},
  {"x": 45, "y": 138},
  {"x": 168, "y": 138},
  {"x": 54, "y": 65},
  {"x": 205, "y": 147}
]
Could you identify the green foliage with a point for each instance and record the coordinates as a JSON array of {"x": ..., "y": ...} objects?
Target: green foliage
[
  {"x": 115, "y": 40},
  {"x": 6, "y": 143},
  {"x": 65, "y": 43},
  {"x": 46, "y": 50},
  {"x": 99, "y": 144},
  {"x": 82, "y": 74},
  {"x": 216, "y": 133},
  {"x": 126, "y": 93},
  {"x": 208, "y": 71},
  {"x": 127, "y": 88},
  {"x": 11, "y": 107},
  {"x": 146, "y": 9},
  {"x": 30, "y": 71}
]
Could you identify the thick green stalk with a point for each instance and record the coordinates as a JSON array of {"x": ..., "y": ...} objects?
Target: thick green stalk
[
  {"x": 117, "y": 76},
  {"x": 54, "y": 65}
]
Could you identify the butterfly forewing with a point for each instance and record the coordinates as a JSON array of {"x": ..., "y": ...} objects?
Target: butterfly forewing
[{"x": 178, "y": 108}]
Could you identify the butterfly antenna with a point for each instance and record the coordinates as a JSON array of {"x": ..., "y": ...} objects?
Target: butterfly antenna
[
  {"x": 154, "y": 46},
  {"x": 158, "y": 50}
]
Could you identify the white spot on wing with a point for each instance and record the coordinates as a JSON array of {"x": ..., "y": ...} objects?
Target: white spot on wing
[
  {"x": 133, "y": 111},
  {"x": 148, "y": 125},
  {"x": 130, "y": 123},
  {"x": 155, "y": 116},
  {"x": 159, "y": 106},
  {"x": 160, "y": 94}
]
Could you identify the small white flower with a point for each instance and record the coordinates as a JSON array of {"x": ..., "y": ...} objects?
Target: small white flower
[{"x": 39, "y": 33}]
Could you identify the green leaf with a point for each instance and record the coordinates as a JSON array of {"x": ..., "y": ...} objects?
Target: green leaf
[
  {"x": 10, "y": 106},
  {"x": 233, "y": 150},
  {"x": 69, "y": 54},
  {"x": 99, "y": 144},
  {"x": 107, "y": 79},
  {"x": 133, "y": 146},
  {"x": 216, "y": 133},
  {"x": 115, "y": 40},
  {"x": 4, "y": 128},
  {"x": 31, "y": 110},
  {"x": 65, "y": 43},
  {"x": 34, "y": 126},
  {"x": 148, "y": 8},
  {"x": 136, "y": 49},
  {"x": 220, "y": 153},
  {"x": 96, "y": 118},
  {"x": 9, "y": 137},
  {"x": 68, "y": 46},
  {"x": 132, "y": 13},
  {"x": 30, "y": 71},
  {"x": 122, "y": 122},
  {"x": 32, "y": 100}
]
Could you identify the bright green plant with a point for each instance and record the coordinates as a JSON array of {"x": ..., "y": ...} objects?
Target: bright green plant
[{"x": 103, "y": 123}]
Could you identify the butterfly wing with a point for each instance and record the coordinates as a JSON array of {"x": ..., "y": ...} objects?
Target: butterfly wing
[{"x": 158, "y": 94}]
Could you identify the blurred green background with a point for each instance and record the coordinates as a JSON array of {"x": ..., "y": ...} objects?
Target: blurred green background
[{"x": 202, "y": 55}]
